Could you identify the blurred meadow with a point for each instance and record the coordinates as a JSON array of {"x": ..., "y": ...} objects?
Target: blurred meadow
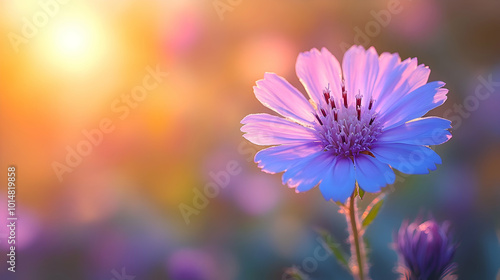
[{"x": 118, "y": 113}]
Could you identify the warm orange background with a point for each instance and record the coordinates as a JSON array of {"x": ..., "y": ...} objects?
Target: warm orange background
[{"x": 120, "y": 206}]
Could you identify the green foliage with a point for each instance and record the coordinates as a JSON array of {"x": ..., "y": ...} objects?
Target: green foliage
[
  {"x": 371, "y": 212},
  {"x": 334, "y": 247},
  {"x": 361, "y": 193}
]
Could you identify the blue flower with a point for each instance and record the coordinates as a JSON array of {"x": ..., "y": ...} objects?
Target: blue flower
[
  {"x": 359, "y": 123},
  {"x": 426, "y": 251}
]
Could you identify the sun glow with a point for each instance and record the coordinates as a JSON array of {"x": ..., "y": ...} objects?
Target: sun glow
[
  {"x": 77, "y": 44},
  {"x": 73, "y": 40}
]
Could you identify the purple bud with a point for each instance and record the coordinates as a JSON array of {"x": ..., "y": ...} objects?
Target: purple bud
[{"x": 426, "y": 251}]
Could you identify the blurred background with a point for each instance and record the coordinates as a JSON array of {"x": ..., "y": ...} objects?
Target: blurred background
[{"x": 118, "y": 113}]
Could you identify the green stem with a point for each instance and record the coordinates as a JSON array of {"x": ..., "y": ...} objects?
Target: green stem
[{"x": 359, "y": 249}]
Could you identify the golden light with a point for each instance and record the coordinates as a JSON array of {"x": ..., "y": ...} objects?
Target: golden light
[
  {"x": 77, "y": 59},
  {"x": 73, "y": 40},
  {"x": 77, "y": 43}
]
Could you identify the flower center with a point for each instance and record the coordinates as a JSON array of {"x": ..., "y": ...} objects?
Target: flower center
[{"x": 343, "y": 129}]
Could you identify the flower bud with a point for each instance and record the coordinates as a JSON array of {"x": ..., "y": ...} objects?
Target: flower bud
[{"x": 426, "y": 251}]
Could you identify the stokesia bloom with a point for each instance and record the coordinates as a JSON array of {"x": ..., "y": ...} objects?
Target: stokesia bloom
[
  {"x": 426, "y": 251},
  {"x": 360, "y": 122}
]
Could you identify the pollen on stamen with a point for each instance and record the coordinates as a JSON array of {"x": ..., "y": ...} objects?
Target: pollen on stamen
[
  {"x": 371, "y": 104},
  {"x": 323, "y": 112},
  {"x": 326, "y": 94},
  {"x": 344, "y": 93},
  {"x": 358, "y": 99},
  {"x": 347, "y": 132},
  {"x": 319, "y": 120}
]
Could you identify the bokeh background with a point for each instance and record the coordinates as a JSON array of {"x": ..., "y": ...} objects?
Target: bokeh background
[{"x": 117, "y": 211}]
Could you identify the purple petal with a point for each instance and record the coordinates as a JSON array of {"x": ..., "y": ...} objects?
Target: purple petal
[
  {"x": 414, "y": 105},
  {"x": 265, "y": 129},
  {"x": 309, "y": 172},
  {"x": 317, "y": 70},
  {"x": 424, "y": 248},
  {"x": 409, "y": 159},
  {"x": 425, "y": 131},
  {"x": 371, "y": 174},
  {"x": 338, "y": 181},
  {"x": 280, "y": 158},
  {"x": 396, "y": 79},
  {"x": 360, "y": 69},
  {"x": 388, "y": 77},
  {"x": 280, "y": 96}
]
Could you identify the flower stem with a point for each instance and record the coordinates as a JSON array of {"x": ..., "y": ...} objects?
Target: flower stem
[{"x": 358, "y": 256}]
